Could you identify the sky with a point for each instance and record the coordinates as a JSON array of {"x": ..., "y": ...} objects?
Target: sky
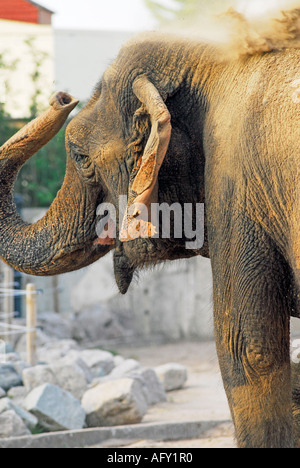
[{"x": 126, "y": 15}]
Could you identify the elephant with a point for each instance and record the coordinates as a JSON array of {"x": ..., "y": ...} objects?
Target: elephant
[{"x": 171, "y": 122}]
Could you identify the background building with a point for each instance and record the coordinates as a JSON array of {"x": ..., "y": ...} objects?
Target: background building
[
  {"x": 25, "y": 10},
  {"x": 36, "y": 60}
]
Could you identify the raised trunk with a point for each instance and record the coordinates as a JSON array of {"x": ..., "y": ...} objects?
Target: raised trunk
[{"x": 62, "y": 240}]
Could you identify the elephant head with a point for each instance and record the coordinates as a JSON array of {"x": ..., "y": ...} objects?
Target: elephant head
[{"x": 138, "y": 141}]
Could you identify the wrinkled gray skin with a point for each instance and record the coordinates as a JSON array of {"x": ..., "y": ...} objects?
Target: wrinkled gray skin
[{"x": 171, "y": 122}]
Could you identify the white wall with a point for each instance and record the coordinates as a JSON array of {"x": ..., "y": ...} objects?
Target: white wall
[
  {"x": 12, "y": 45},
  {"x": 172, "y": 302},
  {"x": 81, "y": 57}
]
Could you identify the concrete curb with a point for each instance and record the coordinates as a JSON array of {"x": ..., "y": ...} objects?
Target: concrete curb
[{"x": 89, "y": 437}]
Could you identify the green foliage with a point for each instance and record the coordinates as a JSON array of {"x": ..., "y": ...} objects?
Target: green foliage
[
  {"x": 41, "y": 177},
  {"x": 39, "y": 58},
  {"x": 6, "y": 66},
  {"x": 168, "y": 10},
  {"x": 176, "y": 8},
  {"x": 7, "y": 129}
]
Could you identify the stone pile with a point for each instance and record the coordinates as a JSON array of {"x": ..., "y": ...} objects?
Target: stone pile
[{"x": 73, "y": 388}]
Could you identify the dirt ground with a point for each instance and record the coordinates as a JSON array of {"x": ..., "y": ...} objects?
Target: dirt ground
[{"x": 202, "y": 399}]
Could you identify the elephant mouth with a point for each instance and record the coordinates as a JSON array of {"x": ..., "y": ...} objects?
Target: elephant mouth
[
  {"x": 138, "y": 238},
  {"x": 106, "y": 235},
  {"x": 128, "y": 227}
]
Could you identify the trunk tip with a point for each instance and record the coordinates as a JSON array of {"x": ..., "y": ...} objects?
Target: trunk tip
[{"x": 62, "y": 100}]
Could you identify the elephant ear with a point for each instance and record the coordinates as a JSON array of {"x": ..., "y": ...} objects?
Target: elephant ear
[{"x": 143, "y": 187}]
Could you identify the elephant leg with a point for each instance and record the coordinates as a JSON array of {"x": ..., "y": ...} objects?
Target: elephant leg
[{"x": 252, "y": 334}]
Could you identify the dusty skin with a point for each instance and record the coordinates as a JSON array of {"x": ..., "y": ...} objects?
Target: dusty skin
[{"x": 178, "y": 120}]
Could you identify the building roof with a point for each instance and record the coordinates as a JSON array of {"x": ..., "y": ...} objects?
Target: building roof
[
  {"x": 27, "y": 11},
  {"x": 38, "y": 5}
]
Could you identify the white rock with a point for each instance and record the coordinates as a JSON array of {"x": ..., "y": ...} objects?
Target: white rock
[
  {"x": 4, "y": 405},
  {"x": 118, "y": 360},
  {"x": 20, "y": 366},
  {"x": 17, "y": 394},
  {"x": 99, "y": 362},
  {"x": 56, "y": 349},
  {"x": 9, "y": 377},
  {"x": 36, "y": 376},
  {"x": 6, "y": 348},
  {"x": 11, "y": 425},
  {"x": 10, "y": 357},
  {"x": 55, "y": 408},
  {"x": 173, "y": 376},
  {"x": 54, "y": 325},
  {"x": 71, "y": 360},
  {"x": 70, "y": 378},
  {"x": 14, "y": 360},
  {"x": 96, "y": 323},
  {"x": 130, "y": 368},
  {"x": 124, "y": 368},
  {"x": 2, "y": 393},
  {"x": 152, "y": 387},
  {"x": 41, "y": 340},
  {"x": 115, "y": 403},
  {"x": 67, "y": 376},
  {"x": 29, "y": 419}
]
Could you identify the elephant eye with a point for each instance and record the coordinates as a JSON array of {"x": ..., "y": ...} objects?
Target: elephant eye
[{"x": 79, "y": 158}]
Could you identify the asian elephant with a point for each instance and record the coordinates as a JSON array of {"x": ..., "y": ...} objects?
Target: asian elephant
[{"x": 171, "y": 122}]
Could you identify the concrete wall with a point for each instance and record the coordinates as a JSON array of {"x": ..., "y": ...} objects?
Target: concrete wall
[
  {"x": 172, "y": 302},
  {"x": 16, "y": 97}
]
